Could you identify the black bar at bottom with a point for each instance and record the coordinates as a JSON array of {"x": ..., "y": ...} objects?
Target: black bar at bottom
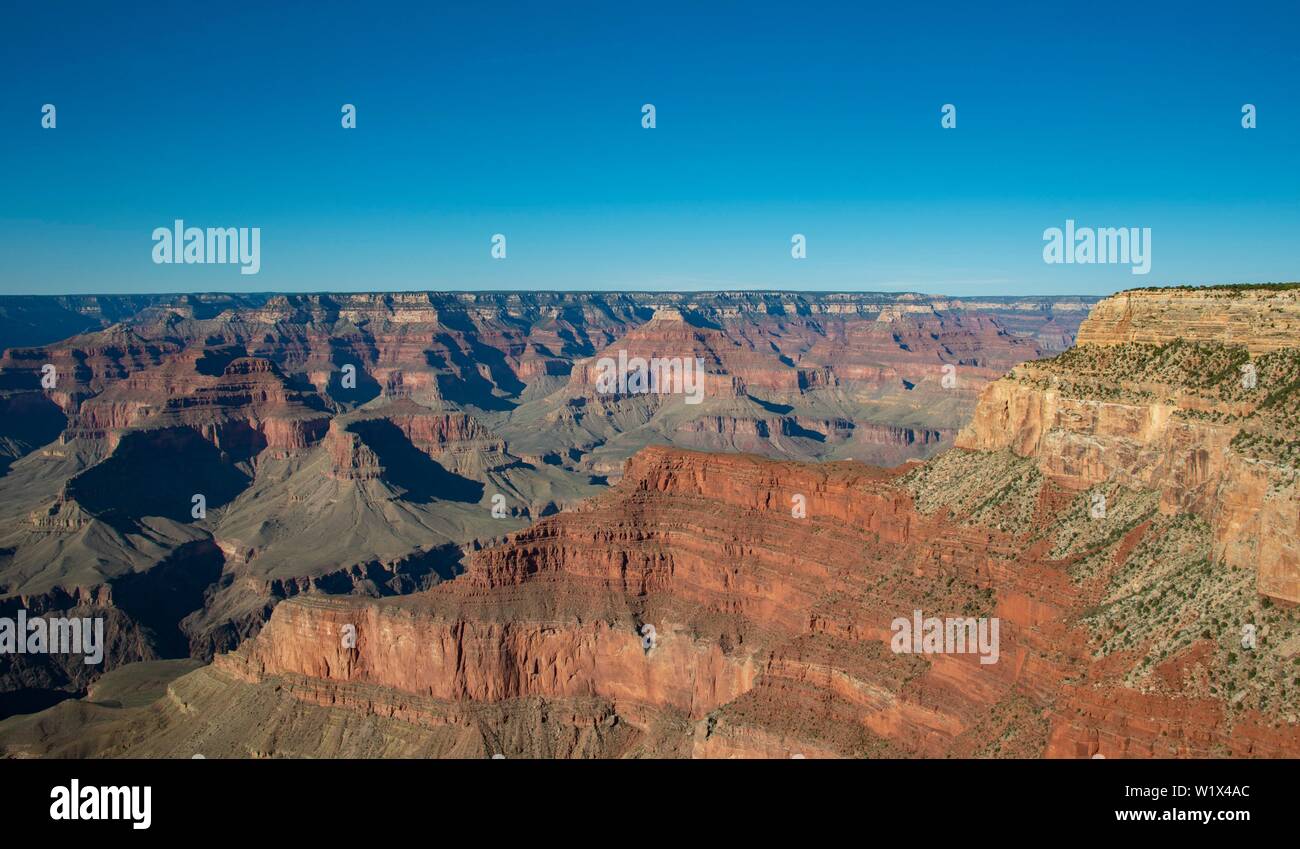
[{"x": 206, "y": 799}]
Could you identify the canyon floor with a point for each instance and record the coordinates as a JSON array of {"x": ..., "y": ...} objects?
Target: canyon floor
[{"x": 462, "y": 553}]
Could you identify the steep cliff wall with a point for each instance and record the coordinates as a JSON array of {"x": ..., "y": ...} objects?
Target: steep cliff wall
[
  {"x": 1258, "y": 318},
  {"x": 1194, "y": 395}
]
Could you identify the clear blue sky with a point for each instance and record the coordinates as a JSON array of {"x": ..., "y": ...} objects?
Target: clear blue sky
[{"x": 525, "y": 119}]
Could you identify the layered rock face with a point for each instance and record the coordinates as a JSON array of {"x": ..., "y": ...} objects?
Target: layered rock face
[
  {"x": 363, "y": 443},
  {"x": 688, "y": 607},
  {"x": 733, "y": 606},
  {"x": 1256, "y": 318},
  {"x": 1189, "y": 394}
]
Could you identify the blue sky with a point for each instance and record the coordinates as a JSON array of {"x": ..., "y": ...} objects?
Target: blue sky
[{"x": 525, "y": 119}]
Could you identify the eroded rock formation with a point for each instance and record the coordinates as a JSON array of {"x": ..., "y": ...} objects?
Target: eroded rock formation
[
  {"x": 1126, "y": 511},
  {"x": 362, "y": 443}
]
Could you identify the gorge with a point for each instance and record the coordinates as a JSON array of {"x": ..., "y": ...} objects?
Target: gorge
[{"x": 350, "y": 593}]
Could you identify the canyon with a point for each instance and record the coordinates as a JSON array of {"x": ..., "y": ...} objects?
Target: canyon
[
  {"x": 358, "y": 597},
  {"x": 180, "y": 464}
]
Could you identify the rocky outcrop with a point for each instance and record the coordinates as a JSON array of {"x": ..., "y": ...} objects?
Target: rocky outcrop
[
  {"x": 350, "y": 457},
  {"x": 1189, "y": 394},
  {"x": 1258, "y": 318},
  {"x": 560, "y": 612},
  {"x": 771, "y": 588}
]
